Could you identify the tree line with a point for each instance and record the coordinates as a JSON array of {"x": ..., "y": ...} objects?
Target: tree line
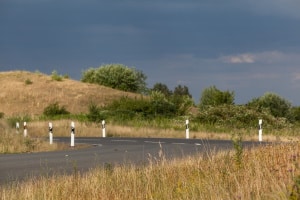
[{"x": 214, "y": 106}]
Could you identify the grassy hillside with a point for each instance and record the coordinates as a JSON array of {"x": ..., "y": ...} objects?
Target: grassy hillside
[{"x": 26, "y": 93}]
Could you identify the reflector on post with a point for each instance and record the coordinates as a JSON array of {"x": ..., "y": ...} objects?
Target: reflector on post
[{"x": 72, "y": 134}]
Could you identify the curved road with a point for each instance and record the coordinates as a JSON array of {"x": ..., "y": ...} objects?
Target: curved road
[{"x": 102, "y": 151}]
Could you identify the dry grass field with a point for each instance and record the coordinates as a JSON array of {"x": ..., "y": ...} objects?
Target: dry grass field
[{"x": 27, "y": 93}]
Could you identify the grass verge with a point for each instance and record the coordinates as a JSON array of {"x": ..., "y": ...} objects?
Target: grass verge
[{"x": 270, "y": 172}]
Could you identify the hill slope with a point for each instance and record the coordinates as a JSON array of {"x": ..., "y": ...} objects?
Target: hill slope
[{"x": 19, "y": 97}]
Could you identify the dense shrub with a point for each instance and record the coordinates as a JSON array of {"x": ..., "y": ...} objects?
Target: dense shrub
[
  {"x": 95, "y": 113},
  {"x": 295, "y": 113},
  {"x": 140, "y": 108},
  {"x": 116, "y": 76},
  {"x": 55, "y": 76},
  {"x": 54, "y": 109},
  {"x": 212, "y": 96},
  {"x": 275, "y": 104},
  {"x": 239, "y": 117}
]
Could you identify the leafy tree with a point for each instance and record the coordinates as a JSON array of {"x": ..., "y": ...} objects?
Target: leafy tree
[
  {"x": 117, "y": 76},
  {"x": 181, "y": 99},
  {"x": 161, "y": 105},
  {"x": 212, "y": 96},
  {"x": 182, "y": 103},
  {"x": 275, "y": 104},
  {"x": 182, "y": 91},
  {"x": 295, "y": 113},
  {"x": 163, "y": 88}
]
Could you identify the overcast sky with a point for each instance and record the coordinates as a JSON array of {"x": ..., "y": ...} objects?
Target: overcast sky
[{"x": 246, "y": 46}]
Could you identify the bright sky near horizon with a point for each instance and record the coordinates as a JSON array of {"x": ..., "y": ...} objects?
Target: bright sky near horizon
[{"x": 249, "y": 47}]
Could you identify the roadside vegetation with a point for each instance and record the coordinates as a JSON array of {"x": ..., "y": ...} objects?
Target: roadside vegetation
[
  {"x": 270, "y": 172},
  {"x": 263, "y": 173},
  {"x": 13, "y": 141}
]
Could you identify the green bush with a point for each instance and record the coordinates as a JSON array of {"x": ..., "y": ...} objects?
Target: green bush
[
  {"x": 116, "y": 76},
  {"x": 95, "y": 113},
  {"x": 275, "y": 104},
  {"x": 54, "y": 109},
  {"x": 239, "y": 117},
  {"x": 55, "y": 76},
  {"x": 1, "y": 115},
  {"x": 212, "y": 96}
]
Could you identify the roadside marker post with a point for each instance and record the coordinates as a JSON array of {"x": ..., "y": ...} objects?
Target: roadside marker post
[
  {"x": 50, "y": 133},
  {"x": 260, "y": 130},
  {"x": 103, "y": 129},
  {"x": 72, "y": 134},
  {"x": 25, "y": 129},
  {"x": 17, "y": 127},
  {"x": 187, "y": 130}
]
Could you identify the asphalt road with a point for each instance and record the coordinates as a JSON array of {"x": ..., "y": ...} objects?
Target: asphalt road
[{"x": 102, "y": 151}]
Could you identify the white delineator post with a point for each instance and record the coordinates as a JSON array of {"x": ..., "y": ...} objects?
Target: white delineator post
[
  {"x": 17, "y": 127},
  {"x": 72, "y": 134},
  {"x": 50, "y": 133},
  {"x": 103, "y": 129},
  {"x": 25, "y": 129},
  {"x": 187, "y": 130},
  {"x": 260, "y": 130}
]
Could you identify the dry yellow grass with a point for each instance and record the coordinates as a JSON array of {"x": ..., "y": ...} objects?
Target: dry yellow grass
[
  {"x": 89, "y": 129},
  {"x": 19, "y": 98},
  {"x": 265, "y": 173}
]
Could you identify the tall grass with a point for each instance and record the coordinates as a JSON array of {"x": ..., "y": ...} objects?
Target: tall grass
[
  {"x": 13, "y": 141},
  {"x": 265, "y": 173}
]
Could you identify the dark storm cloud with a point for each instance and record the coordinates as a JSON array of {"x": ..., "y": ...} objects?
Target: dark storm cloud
[{"x": 246, "y": 46}]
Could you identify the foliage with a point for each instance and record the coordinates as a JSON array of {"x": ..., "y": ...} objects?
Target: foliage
[
  {"x": 181, "y": 99},
  {"x": 54, "y": 109},
  {"x": 55, "y": 76},
  {"x": 182, "y": 103},
  {"x": 1, "y": 115},
  {"x": 238, "y": 117},
  {"x": 238, "y": 147},
  {"x": 117, "y": 76},
  {"x": 212, "y": 96},
  {"x": 157, "y": 105},
  {"x": 182, "y": 91},
  {"x": 275, "y": 104},
  {"x": 161, "y": 105},
  {"x": 95, "y": 114},
  {"x": 295, "y": 113},
  {"x": 163, "y": 88}
]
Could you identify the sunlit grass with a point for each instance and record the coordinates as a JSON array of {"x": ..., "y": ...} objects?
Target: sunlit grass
[{"x": 265, "y": 173}]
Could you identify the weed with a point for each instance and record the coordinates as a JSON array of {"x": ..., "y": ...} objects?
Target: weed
[
  {"x": 238, "y": 147},
  {"x": 295, "y": 193},
  {"x": 29, "y": 144}
]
